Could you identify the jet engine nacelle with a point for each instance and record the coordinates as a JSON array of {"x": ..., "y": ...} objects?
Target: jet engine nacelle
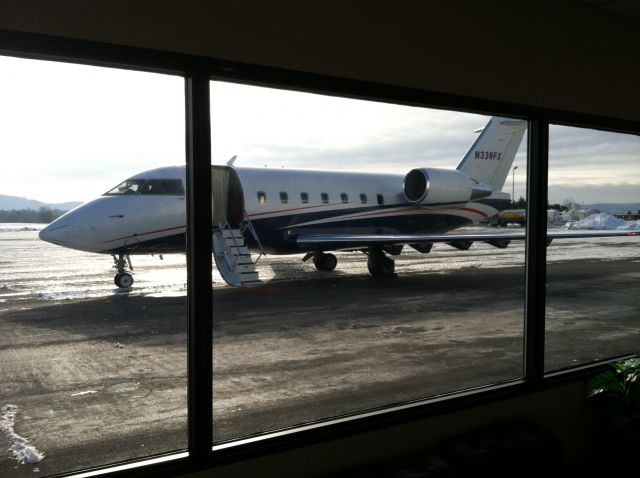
[{"x": 432, "y": 186}]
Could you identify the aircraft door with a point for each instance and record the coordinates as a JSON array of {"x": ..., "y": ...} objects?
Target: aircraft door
[{"x": 226, "y": 196}]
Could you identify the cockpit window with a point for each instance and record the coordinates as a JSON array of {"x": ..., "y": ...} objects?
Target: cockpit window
[
  {"x": 148, "y": 186},
  {"x": 130, "y": 186},
  {"x": 162, "y": 186}
]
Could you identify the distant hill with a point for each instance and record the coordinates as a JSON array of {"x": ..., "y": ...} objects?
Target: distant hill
[
  {"x": 8, "y": 203},
  {"x": 614, "y": 208}
]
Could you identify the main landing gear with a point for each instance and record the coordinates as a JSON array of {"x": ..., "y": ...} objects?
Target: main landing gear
[
  {"x": 123, "y": 278},
  {"x": 324, "y": 261},
  {"x": 379, "y": 264}
]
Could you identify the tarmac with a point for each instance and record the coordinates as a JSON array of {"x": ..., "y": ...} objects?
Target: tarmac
[{"x": 102, "y": 380}]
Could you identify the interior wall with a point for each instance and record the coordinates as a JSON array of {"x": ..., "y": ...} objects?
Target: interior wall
[
  {"x": 557, "y": 54},
  {"x": 558, "y": 410}
]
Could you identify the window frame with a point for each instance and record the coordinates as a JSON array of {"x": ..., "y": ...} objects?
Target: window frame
[{"x": 198, "y": 72}]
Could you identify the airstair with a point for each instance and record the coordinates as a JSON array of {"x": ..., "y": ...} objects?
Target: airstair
[{"x": 232, "y": 256}]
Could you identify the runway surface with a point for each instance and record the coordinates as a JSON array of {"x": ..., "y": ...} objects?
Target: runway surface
[{"x": 99, "y": 375}]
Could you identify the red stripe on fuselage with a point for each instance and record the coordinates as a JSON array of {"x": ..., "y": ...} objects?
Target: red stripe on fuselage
[
  {"x": 373, "y": 213},
  {"x": 294, "y": 209},
  {"x": 472, "y": 210}
]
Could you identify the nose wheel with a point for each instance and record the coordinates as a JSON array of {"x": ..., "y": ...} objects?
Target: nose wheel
[
  {"x": 123, "y": 280},
  {"x": 123, "y": 277}
]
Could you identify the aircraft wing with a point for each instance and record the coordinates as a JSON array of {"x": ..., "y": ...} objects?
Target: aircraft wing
[{"x": 355, "y": 241}]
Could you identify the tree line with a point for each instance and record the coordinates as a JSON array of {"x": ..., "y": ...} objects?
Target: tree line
[{"x": 43, "y": 215}]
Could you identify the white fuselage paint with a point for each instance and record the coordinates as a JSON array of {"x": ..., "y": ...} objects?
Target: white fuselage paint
[
  {"x": 146, "y": 214},
  {"x": 142, "y": 224},
  {"x": 111, "y": 223}
]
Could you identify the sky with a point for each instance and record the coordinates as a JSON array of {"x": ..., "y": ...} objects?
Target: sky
[{"x": 72, "y": 132}]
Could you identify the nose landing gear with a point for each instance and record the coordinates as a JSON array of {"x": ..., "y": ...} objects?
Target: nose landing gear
[{"x": 123, "y": 278}]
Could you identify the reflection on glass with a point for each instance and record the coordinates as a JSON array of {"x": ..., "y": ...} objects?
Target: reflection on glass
[
  {"x": 340, "y": 314},
  {"x": 592, "y": 304},
  {"x": 93, "y": 372}
]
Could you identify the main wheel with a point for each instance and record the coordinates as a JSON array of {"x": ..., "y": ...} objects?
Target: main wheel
[
  {"x": 123, "y": 280},
  {"x": 325, "y": 262},
  {"x": 380, "y": 265}
]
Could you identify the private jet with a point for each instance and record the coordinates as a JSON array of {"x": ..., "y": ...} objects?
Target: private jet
[{"x": 310, "y": 212}]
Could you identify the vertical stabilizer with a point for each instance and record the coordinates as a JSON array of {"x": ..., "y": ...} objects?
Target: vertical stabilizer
[{"x": 490, "y": 158}]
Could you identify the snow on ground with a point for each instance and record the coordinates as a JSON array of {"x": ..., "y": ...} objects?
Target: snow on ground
[
  {"x": 22, "y": 451},
  {"x": 20, "y": 227},
  {"x": 603, "y": 221},
  {"x": 79, "y": 394}
]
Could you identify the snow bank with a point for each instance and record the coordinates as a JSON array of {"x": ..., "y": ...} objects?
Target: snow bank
[
  {"x": 22, "y": 451},
  {"x": 604, "y": 221},
  {"x": 20, "y": 227}
]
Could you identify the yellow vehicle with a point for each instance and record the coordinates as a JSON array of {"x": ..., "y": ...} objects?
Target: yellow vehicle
[{"x": 510, "y": 216}]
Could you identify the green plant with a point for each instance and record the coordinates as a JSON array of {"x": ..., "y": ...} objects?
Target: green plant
[
  {"x": 614, "y": 402},
  {"x": 617, "y": 389}
]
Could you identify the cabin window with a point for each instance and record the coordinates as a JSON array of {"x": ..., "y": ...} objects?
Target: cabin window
[
  {"x": 284, "y": 197},
  {"x": 262, "y": 197},
  {"x": 163, "y": 186},
  {"x": 380, "y": 199},
  {"x": 363, "y": 198},
  {"x": 325, "y": 198},
  {"x": 304, "y": 197},
  {"x": 344, "y": 197}
]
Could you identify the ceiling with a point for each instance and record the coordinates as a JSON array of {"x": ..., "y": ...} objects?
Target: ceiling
[{"x": 626, "y": 8}]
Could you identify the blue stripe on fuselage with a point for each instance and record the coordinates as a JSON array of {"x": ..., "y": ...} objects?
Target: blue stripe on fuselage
[
  {"x": 162, "y": 245},
  {"x": 278, "y": 234}
]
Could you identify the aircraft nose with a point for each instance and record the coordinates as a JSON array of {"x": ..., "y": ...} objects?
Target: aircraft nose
[
  {"x": 55, "y": 232},
  {"x": 74, "y": 230}
]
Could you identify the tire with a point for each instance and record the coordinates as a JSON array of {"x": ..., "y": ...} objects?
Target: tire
[
  {"x": 325, "y": 262},
  {"x": 123, "y": 280},
  {"x": 381, "y": 266}
]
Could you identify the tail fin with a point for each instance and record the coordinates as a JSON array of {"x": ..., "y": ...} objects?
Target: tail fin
[{"x": 490, "y": 158}]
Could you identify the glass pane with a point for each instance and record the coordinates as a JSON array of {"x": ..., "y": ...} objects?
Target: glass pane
[
  {"x": 366, "y": 319},
  {"x": 593, "y": 292},
  {"x": 92, "y": 373}
]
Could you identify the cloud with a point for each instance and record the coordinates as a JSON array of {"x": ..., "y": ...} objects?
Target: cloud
[{"x": 69, "y": 132}]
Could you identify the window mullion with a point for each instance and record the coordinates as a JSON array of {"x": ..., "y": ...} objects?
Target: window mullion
[
  {"x": 536, "y": 243},
  {"x": 199, "y": 262}
]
